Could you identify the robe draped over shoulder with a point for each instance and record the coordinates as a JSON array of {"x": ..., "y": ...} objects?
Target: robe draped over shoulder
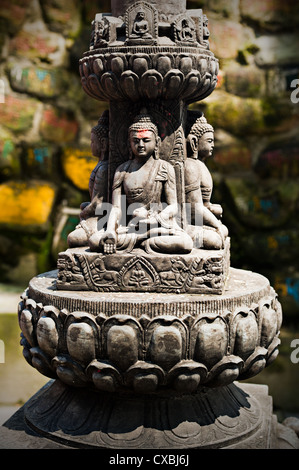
[{"x": 161, "y": 173}]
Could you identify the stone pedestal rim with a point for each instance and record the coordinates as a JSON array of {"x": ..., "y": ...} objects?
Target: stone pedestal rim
[{"x": 42, "y": 289}]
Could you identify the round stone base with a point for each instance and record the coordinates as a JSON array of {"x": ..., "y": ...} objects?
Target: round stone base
[
  {"x": 150, "y": 342},
  {"x": 226, "y": 417},
  {"x": 237, "y": 416}
]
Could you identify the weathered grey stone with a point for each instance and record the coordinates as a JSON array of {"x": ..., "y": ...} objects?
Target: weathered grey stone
[
  {"x": 245, "y": 81},
  {"x": 242, "y": 115},
  {"x": 62, "y": 17},
  {"x": 119, "y": 7},
  {"x": 277, "y": 50},
  {"x": 293, "y": 423},
  {"x": 228, "y": 37},
  {"x": 272, "y": 15}
]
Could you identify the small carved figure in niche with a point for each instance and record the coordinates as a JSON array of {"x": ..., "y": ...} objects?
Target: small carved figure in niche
[
  {"x": 148, "y": 184},
  {"x": 101, "y": 33},
  {"x": 98, "y": 185},
  {"x": 138, "y": 277},
  {"x": 187, "y": 32},
  {"x": 206, "y": 32},
  {"x": 205, "y": 223},
  {"x": 140, "y": 26},
  {"x": 141, "y": 20},
  {"x": 184, "y": 29}
]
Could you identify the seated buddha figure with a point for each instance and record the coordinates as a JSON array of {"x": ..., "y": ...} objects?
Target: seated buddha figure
[
  {"x": 98, "y": 185},
  {"x": 140, "y": 27},
  {"x": 206, "y": 225},
  {"x": 148, "y": 187}
]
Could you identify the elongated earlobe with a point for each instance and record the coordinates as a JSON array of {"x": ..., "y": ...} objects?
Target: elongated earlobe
[{"x": 193, "y": 144}]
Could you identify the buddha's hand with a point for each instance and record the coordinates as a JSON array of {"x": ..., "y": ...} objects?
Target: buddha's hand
[
  {"x": 142, "y": 218},
  {"x": 109, "y": 242},
  {"x": 84, "y": 207},
  {"x": 140, "y": 213},
  {"x": 222, "y": 237},
  {"x": 216, "y": 209}
]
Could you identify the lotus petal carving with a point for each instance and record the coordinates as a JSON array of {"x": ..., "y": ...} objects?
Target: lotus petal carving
[
  {"x": 118, "y": 76},
  {"x": 121, "y": 352}
]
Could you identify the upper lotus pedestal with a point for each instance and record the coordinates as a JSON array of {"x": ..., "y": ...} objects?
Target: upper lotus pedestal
[{"x": 144, "y": 54}]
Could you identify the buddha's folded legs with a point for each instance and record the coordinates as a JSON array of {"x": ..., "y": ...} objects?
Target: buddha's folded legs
[
  {"x": 83, "y": 231},
  {"x": 179, "y": 243},
  {"x": 159, "y": 240}
]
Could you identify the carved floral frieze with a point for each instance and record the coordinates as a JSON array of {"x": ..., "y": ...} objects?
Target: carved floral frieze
[{"x": 201, "y": 272}]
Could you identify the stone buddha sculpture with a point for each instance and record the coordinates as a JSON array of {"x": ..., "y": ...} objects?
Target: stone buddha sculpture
[
  {"x": 149, "y": 187},
  {"x": 206, "y": 226},
  {"x": 98, "y": 185},
  {"x": 140, "y": 26}
]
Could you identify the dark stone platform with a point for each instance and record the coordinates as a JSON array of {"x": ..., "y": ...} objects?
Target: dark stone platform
[{"x": 233, "y": 417}]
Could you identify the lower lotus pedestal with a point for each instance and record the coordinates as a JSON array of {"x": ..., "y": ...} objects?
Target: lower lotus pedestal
[
  {"x": 150, "y": 342},
  {"x": 236, "y": 416},
  {"x": 228, "y": 416},
  {"x": 149, "y": 369}
]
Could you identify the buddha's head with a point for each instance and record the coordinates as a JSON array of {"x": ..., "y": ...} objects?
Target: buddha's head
[
  {"x": 99, "y": 137},
  {"x": 140, "y": 15},
  {"x": 201, "y": 139},
  {"x": 144, "y": 139}
]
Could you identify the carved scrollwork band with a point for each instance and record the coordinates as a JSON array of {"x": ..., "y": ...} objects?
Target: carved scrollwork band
[{"x": 148, "y": 354}]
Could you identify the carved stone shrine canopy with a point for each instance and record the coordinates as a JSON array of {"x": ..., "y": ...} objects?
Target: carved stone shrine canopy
[{"x": 144, "y": 298}]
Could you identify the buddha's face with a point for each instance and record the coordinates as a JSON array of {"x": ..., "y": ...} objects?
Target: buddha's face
[
  {"x": 143, "y": 143},
  {"x": 205, "y": 145},
  {"x": 99, "y": 146}
]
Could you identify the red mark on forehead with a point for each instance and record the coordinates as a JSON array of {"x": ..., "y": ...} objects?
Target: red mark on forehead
[{"x": 143, "y": 133}]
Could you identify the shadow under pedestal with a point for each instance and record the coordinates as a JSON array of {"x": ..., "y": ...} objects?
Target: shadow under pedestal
[{"x": 234, "y": 416}]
